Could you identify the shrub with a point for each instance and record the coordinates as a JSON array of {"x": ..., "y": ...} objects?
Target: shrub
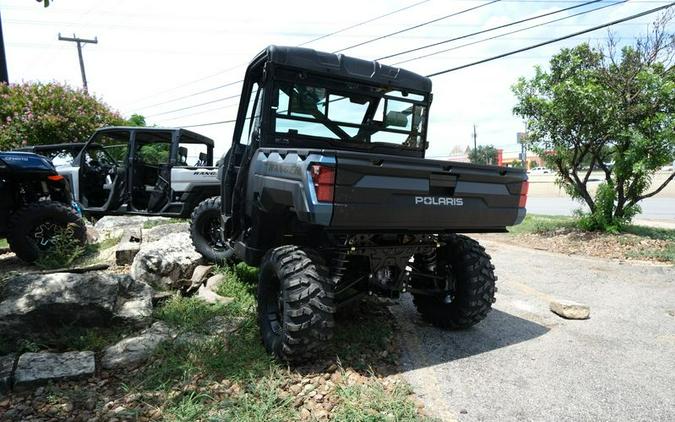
[{"x": 39, "y": 113}]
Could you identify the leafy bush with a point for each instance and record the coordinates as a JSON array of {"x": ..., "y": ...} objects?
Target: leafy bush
[
  {"x": 64, "y": 250},
  {"x": 39, "y": 113}
]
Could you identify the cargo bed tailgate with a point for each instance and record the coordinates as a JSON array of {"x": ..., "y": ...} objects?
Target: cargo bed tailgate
[{"x": 391, "y": 192}]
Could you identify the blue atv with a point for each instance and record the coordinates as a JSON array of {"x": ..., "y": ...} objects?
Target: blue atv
[{"x": 36, "y": 205}]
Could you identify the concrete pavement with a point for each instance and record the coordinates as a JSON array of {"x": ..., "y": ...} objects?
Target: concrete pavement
[{"x": 525, "y": 363}]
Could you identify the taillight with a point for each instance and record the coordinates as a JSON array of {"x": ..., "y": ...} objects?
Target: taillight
[
  {"x": 324, "y": 182},
  {"x": 55, "y": 178},
  {"x": 523, "y": 194}
]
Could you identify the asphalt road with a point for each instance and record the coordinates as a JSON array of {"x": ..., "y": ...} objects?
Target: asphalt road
[
  {"x": 524, "y": 363},
  {"x": 657, "y": 208}
]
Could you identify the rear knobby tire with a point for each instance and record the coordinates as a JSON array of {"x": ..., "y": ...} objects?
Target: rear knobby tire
[
  {"x": 295, "y": 303},
  {"x": 205, "y": 229},
  {"x": 474, "y": 286},
  {"x": 31, "y": 227}
]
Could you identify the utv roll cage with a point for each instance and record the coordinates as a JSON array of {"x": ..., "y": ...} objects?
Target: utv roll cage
[{"x": 341, "y": 76}]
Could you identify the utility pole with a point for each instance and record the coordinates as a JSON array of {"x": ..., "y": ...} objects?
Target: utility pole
[
  {"x": 4, "y": 77},
  {"x": 79, "y": 42}
]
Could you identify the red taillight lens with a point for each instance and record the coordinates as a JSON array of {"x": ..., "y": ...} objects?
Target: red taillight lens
[
  {"x": 324, "y": 182},
  {"x": 55, "y": 178},
  {"x": 523, "y": 194}
]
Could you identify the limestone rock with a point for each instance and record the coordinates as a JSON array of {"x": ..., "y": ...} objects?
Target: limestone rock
[
  {"x": 114, "y": 225},
  {"x": 129, "y": 245},
  {"x": 6, "y": 368},
  {"x": 165, "y": 263},
  {"x": 209, "y": 296},
  {"x": 569, "y": 309},
  {"x": 132, "y": 351},
  {"x": 38, "y": 368},
  {"x": 34, "y": 302},
  {"x": 160, "y": 232},
  {"x": 134, "y": 302},
  {"x": 214, "y": 282}
]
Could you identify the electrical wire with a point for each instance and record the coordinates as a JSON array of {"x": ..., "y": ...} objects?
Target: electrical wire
[
  {"x": 510, "y": 53},
  {"x": 508, "y": 33},
  {"x": 304, "y": 43},
  {"x": 494, "y": 28},
  {"x": 410, "y": 28},
  {"x": 554, "y": 40}
]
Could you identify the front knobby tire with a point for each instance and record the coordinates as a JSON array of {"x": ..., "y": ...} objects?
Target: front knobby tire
[
  {"x": 295, "y": 303},
  {"x": 32, "y": 227},
  {"x": 206, "y": 232},
  {"x": 474, "y": 281}
]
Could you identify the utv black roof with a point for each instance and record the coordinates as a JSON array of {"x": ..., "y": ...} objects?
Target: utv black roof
[
  {"x": 341, "y": 66},
  {"x": 50, "y": 147},
  {"x": 187, "y": 136}
]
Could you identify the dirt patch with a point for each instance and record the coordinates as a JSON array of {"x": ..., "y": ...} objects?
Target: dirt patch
[{"x": 573, "y": 242}]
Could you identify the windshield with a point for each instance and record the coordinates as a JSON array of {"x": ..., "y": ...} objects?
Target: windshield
[{"x": 386, "y": 117}]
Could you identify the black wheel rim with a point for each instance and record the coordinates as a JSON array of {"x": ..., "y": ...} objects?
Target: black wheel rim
[
  {"x": 43, "y": 234},
  {"x": 212, "y": 233}
]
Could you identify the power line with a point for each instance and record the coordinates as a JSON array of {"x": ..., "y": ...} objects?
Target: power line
[
  {"x": 460, "y": 37},
  {"x": 509, "y": 33},
  {"x": 510, "y": 53},
  {"x": 193, "y": 106},
  {"x": 541, "y": 44},
  {"x": 442, "y": 42},
  {"x": 356, "y": 25},
  {"x": 494, "y": 28},
  {"x": 305, "y": 43},
  {"x": 410, "y": 28},
  {"x": 349, "y": 47}
]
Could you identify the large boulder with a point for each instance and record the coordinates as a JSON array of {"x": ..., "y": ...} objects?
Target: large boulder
[
  {"x": 114, "y": 225},
  {"x": 161, "y": 231},
  {"x": 167, "y": 263},
  {"x": 132, "y": 351},
  {"x": 6, "y": 369},
  {"x": 39, "y": 368},
  {"x": 36, "y": 302}
]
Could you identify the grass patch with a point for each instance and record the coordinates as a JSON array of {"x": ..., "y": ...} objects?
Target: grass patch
[
  {"x": 543, "y": 224},
  {"x": 65, "y": 339},
  {"x": 3, "y": 243},
  {"x": 188, "y": 314},
  {"x": 666, "y": 254},
  {"x": 154, "y": 223},
  {"x": 372, "y": 402}
]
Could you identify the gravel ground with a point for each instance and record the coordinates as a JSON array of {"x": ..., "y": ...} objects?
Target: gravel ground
[{"x": 525, "y": 363}]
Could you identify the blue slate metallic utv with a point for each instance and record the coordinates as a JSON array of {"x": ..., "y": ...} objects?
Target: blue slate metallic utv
[{"x": 35, "y": 204}]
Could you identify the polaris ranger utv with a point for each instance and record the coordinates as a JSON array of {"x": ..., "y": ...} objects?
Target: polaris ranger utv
[
  {"x": 139, "y": 170},
  {"x": 327, "y": 191},
  {"x": 36, "y": 204}
]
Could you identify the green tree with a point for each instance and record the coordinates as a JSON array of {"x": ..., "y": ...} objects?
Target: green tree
[
  {"x": 607, "y": 109},
  {"x": 37, "y": 113},
  {"x": 483, "y": 154},
  {"x": 137, "y": 120}
]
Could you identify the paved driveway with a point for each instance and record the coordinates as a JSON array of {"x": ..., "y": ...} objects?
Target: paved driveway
[{"x": 525, "y": 363}]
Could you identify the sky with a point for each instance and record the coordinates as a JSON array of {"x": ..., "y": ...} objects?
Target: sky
[{"x": 154, "y": 52}]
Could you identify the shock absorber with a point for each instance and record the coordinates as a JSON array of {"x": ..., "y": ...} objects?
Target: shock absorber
[
  {"x": 428, "y": 260},
  {"x": 339, "y": 262}
]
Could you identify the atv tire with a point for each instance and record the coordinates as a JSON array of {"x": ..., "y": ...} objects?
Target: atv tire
[
  {"x": 295, "y": 303},
  {"x": 205, "y": 232},
  {"x": 474, "y": 282},
  {"x": 31, "y": 228}
]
